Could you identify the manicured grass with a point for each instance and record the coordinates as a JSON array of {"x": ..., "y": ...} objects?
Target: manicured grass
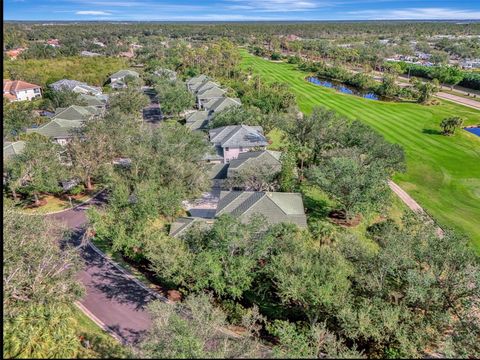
[
  {"x": 55, "y": 204},
  {"x": 443, "y": 173}
]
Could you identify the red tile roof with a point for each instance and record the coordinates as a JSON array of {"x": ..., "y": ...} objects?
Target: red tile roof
[{"x": 17, "y": 85}]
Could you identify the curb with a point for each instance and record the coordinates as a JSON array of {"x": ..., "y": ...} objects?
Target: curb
[
  {"x": 99, "y": 322},
  {"x": 126, "y": 273}
]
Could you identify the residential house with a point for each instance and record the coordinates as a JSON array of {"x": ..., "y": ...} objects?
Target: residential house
[
  {"x": 76, "y": 86},
  {"x": 255, "y": 160},
  {"x": 275, "y": 207},
  {"x": 197, "y": 120},
  {"x": 12, "y": 148},
  {"x": 219, "y": 104},
  {"x": 230, "y": 141},
  {"x": 17, "y": 90},
  {"x": 470, "y": 64},
  {"x": 89, "y": 54},
  {"x": 65, "y": 122},
  {"x": 53, "y": 42},
  {"x": 14, "y": 53},
  {"x": 99, "y": 101},
  {"x": 99, "y": 43},
  {"x": 117, "y": 80},
  {"x": 196, "y": 81},
  {"x": 211, "y": 93}
]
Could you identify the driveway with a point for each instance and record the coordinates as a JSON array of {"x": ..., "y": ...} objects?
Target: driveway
[
  {"x": 152, "y": 113},
  {"x": 206, "y": 206},
  {"x": 111, "y": 295}
]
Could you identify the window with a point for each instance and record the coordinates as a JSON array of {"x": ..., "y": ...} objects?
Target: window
[
  {"x": 226, "y": 149},
  {"x": 241, "y": 149}
]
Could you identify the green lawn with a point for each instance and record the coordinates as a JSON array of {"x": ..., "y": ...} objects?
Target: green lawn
[{"x": 443, "y": 173}]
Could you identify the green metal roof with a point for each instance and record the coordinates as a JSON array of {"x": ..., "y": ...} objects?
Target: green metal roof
[
  {"x": 12, "y": 148},
  {"x": 75, "y": 112},
  {"x": 123, "y": 73},
  {"x": 92, "y": 100},
  {"x": 57, "y": 128},
  {"x": 181, "y": 225},
  {"x": 276, "y": 207}
]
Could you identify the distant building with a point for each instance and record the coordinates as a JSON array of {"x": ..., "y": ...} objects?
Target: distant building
[
  {"x": 117, "y": 80},
  {"x": 276, "y": 207},
  {"x": 89, "y": 54},
  {"x": 76, "y": 86},
  {"x": 53, "y": 42},
  {"x": 196, "y": 81},
  {"x": 99, "y": 43},
  {"x": 14, "y": 53},
  {"x": 470, "y": 64},
  {"x": 17, "y": 90},
  {"x": 292, "y": 37}
]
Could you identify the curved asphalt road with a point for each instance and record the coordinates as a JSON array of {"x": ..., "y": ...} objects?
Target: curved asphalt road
[{"x": 114, "y": 298}]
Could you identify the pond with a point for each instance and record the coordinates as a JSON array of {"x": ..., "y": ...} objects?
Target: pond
[
  {"x": 473, "y": 130},
  {"x": 345, "y": 89}
]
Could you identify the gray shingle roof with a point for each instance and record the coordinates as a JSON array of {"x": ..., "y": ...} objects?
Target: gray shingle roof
[
  {"x": 65, "y": 84},
  {"x": 197, "y": 120},
  {"x": 207, "y": 84},
  {"x": 275, "y": 206},
  {"x": 91, "y": 100},
  {"x": 238, "y": 136},
  {"x": 210, "y": 93},
  {"x": 218, "y": 171},
  {"x": 219, "y": 104},
  {"x": 123, "y": 73},
  {"x": 196, "y": 80},
  {"x": 12, "y": 148},
  {"x": 255, "y": 159},
  {"x": 181, "y": 225}
]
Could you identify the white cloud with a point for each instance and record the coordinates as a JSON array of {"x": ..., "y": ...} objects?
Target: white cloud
[
  {"x": 417, "y": 14},
  {"x": 92, "y": 12},
  {"x": 276, "y": 5}
]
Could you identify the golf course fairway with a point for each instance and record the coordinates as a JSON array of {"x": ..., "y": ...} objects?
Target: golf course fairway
[{"x": 443, "y": 172}]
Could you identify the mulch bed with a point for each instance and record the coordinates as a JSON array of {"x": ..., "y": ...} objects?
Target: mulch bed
[
  {"x": 34, "y": 205},
  {"x": 338, "y": 218}
]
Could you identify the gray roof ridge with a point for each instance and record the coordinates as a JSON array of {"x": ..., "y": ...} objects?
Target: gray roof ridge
[{"x": 252, "y": 194}]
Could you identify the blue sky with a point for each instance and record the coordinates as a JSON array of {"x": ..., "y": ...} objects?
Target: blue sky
[{"x": 238, "y": 10}]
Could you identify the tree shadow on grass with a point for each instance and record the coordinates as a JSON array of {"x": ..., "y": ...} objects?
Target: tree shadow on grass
[
  {"x": 316, "y": 208},
  {"x": 432, "y": 132}
]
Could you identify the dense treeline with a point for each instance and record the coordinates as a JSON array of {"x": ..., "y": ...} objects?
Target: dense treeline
[{"x": 16, "y": 33}]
